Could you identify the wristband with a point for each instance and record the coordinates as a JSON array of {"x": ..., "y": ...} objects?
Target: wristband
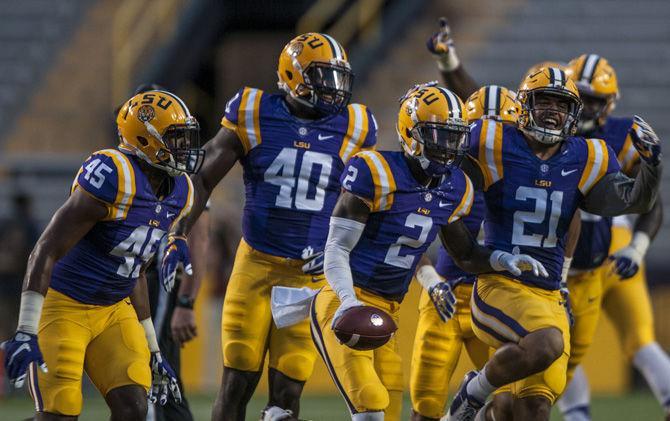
[
  {"x": 185, "y": 301},
  {"x": 30, "y": 311},
  {"x": 150, "y": 333},
  {"x": 428, "y": 276},
  {"x": 494, "y": 261},
  {"x": 567, "y": 261},
  {"x": 640, "y": 242},
  {"x": 448, "y": 62}
]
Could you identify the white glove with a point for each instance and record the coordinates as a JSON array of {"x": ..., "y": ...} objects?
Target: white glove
[
  {"x": 628, "y": 260},
  {"x": 348, "y": 303},
  {"x": 516, "y": 263},
  {"x": 441, "y": 45}
]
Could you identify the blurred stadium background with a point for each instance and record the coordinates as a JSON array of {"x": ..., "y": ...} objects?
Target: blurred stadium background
[{"x": 66, "y": 64}]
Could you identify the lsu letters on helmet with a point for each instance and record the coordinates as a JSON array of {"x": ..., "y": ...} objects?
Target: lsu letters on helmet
[
  {"x": 598, "y": 89},
  {"x": 549, "y": 81},
  {"x": 432, "y": 128},
  {"x": 314, "y": 70},
  {"x": 493, "y": 101},
  {"x": 157, "y": 127}
]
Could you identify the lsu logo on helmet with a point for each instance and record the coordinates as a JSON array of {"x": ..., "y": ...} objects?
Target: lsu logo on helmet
[
  {"x": 157, "y": 127},
  {"x": 432, "y": 127},
  {"x": 314, "y": 70},
  {"x": 495, "y": 102}
]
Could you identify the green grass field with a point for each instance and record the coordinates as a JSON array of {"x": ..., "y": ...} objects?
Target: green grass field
[{"x": 640, "y": 407}]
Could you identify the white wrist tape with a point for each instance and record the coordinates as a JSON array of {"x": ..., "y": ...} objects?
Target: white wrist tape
[
  {"x": 567, "y": 261},
  {"x": 150, "y": 333},
  {"x": 640, "y": 242},
  {"x": 343, "y": 235},
  {"x": 428, "y": 276},
  {"x": 30, "y": 311},
  {"x": 494, "y": 261},
  {"x": 447, "y": 62}
]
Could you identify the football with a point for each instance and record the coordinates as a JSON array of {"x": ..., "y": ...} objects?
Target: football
[{"x": 364, "y": 328}]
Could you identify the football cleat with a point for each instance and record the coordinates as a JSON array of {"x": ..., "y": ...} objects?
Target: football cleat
[
  {"x": 432, "y": 128},
  {"x": 464, "y": 407}
]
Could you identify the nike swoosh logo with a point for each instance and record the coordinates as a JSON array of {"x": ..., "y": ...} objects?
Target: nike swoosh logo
[
  {"x": 170, "y": 215},
  {"x": 444, "y": 204},
  {"x": 564, "y": 173},
  {"x": 324, "y": 137},
  {"x": 24, "y": 347}
]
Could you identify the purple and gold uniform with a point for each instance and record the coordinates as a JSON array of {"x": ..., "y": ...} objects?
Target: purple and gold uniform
[
  {"x": 88, "y": 322},
  {"x": 292, "y": 171},
  {"x": 593, "y": 283},
  {"x": 404, "y": 219},
  {"x": 438, "y": 344},
  {"x": 529, "y": 205}
]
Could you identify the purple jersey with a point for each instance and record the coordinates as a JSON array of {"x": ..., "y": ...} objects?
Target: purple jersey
[
  {"x": 445, "y": 265},
  {"x": 530, "y": 202},
  {"x": 292, "y": 169},
  {"x": 596, "y": 234},
  {"x": 103, "y": 267},
  {"x": 404, "y": 220}
]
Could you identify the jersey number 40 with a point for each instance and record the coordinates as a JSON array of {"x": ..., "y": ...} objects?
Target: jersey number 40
[{"x": 295, "y": 189}]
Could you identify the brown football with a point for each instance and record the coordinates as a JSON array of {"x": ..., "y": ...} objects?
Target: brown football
[{"x": 364, "y": 328}]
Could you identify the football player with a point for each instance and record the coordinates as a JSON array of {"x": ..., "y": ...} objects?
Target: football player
[
  {"x": 535, "y": 175},
  {"x": 293, "y": 148},
  {"x": 86, "y": 272},
  {"x": 439, "y": 337},
  {"x": 393, "y": 206},
  {"x": 617, "y": 282}
]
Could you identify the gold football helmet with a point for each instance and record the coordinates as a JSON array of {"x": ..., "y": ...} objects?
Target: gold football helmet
[
  {"x": 598, "y": 88},
  {"x": 432, "y": 127},
  {"x": 495, "y": 102},
  {"x": 537, "y": 66},
  {"x": 314, "y": 70},
  {"x": 549, "y": 105},
  {"x": 157, "y": 127}
]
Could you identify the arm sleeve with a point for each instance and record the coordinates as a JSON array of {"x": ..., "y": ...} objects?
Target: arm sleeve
[
  {"x": 617, "y": 194},
  {"x": 343, "y": 236}
]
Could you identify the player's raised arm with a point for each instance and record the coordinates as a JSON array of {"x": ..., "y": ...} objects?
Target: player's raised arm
[
  {"x": 617, "y": 194},
  {"x": 441, "y": 45}
]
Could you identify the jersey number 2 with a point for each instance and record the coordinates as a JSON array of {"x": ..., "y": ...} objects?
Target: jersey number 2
[
  {"x": 282, "y": 173},
  {"x": 413, "y": 220},
  {"x": 538, "y": 216}
]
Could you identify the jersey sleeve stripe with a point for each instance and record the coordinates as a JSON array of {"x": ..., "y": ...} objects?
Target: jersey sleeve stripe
[
  {"x": 596, "y": 165},
  {"x": 628, "y": 156},
  {"x": 126, "y": 183},
  {"x": 486, "y": 171},
  {"x": 493, "y": 150},
  {"x": 76, "y": 177},
  {"x": 383, "y": 179},
  {"x": 463, "y": 208},
  {"x": 248, "y": 118},
  {"x": 357, "y": 129}
]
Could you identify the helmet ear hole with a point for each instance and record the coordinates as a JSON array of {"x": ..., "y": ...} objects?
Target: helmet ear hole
[
  {"x": 289, "y": 74},
  {"x": 408, "y": 133},
  {"x": 143, "y": 141}
]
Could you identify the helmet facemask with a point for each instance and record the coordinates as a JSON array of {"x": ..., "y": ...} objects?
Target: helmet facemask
[
  {"x": 327, "y": 87},
  {"x": 181, "y": 151},
  {"x": 441, "y": 146},
  {"x": 595, "y": 109},
  {"x": 550, "y": 122}
]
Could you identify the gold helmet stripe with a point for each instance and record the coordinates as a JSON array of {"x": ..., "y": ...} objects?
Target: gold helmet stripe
[
  {"x": 334, "y": 46},
  {"x": 454, "y": 105},
  {"x": 589, "y": 68}
]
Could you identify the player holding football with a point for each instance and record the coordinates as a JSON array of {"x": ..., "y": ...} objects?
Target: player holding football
[
  {"x": 86, "y": 272},
  {"x": 293, "y": 148},
  {"x": 393, "y": 206}
]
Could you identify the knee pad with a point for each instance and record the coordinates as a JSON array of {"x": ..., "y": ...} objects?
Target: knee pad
[
  {"x": 241, "y": 356},
  {"x": 368, "y": 416},
  {"x": 67, "y": 401},
  {"x": 298, "y": 366},
  {"x": 372, "y": 396},
  {"x": 429, "y": 407}
]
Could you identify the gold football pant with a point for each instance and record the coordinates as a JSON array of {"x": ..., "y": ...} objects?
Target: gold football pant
[
  {"x": 437, "y": 348},
  {"x": 247, "y": 329},
  {"x": 369, "y": 381},
  {"x": 504, "y": 310},
  {"x": 106, "y": 341}
]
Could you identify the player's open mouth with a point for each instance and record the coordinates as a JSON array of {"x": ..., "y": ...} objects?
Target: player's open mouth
[{"x": 550, "y": 122}]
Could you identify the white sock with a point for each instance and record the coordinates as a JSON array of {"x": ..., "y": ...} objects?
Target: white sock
[
  {"x": 480, "y": 388},
  {"x": 654, "y": 365},
  {"x": 574, "y": 404}
]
